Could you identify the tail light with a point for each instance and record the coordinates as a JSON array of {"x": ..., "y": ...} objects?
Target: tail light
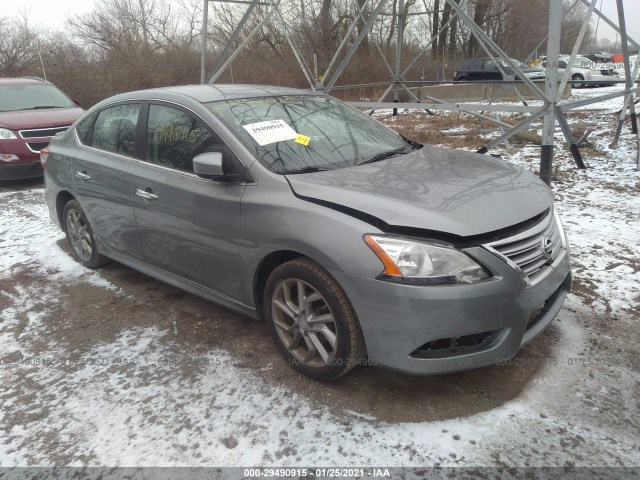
[{"x": 44, "y": 154}]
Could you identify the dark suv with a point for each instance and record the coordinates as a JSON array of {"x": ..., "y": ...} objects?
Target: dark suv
[
  {"x": 479, "y": 69},
  {"x": 32, "y": 111}
]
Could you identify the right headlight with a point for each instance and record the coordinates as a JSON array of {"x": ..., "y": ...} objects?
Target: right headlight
[
  {"x": 6, "y": 134},
  {"x": 563, "y": 234},
  {"x": 419, "y": 262}
]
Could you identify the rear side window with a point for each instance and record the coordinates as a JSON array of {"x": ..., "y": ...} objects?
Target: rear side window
[
  {"x": 84, "y": 129},
  {"x": 174, "y": 137},
  {"x": 115, "y": 129}
]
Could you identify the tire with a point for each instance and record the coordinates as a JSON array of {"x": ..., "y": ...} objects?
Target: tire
[
  {"x": 577, "y": 78},
  {"x": 323, "y": 350},
  {"x": 80, "y": 236}
]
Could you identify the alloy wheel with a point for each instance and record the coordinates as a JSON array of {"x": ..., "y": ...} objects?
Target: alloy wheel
[
  {"x": 79, "y": 235},
  {"x": 304, "y": 323}
]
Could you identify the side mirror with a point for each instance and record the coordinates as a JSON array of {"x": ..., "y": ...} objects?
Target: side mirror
[{"x": 208, "y": 165}]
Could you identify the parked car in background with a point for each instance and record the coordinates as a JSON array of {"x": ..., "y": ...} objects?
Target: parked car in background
[
  {"x": 32, "y": 111},
  {"x": 356, "y": 245},
  {"x": 599, "y": 57},
  {"x": 480, "y": 69},
  {"x": 633, "y": 60},
  {"x": 584, "y": 69}
]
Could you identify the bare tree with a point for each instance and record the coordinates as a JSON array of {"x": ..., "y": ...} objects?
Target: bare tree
[{"x": 19, "y": 46}]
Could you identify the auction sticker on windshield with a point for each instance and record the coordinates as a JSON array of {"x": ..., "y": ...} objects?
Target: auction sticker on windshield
[{"x": 271, "y": 131}]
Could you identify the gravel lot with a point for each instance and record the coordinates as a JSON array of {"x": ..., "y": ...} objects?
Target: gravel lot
[{"x": 112, "y": 368}]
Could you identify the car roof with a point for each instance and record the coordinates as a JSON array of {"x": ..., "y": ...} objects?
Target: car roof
[
  {"x": 213, "y": 92},
  {"x": 483, "y": 58},
  {"x": 22, "y": 81},
  {"x": 568, "y": 57}
]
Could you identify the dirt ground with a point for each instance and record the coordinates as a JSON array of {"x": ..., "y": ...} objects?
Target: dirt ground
[{"x": 86, "y": 315}]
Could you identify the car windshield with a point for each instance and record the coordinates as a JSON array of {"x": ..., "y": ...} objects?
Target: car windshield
[
  {"x": 303, "y": 133},
  {"x": 32, "y": 97}
]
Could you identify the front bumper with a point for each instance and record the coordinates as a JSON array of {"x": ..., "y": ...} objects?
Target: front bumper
[
  {"x": 20, "y": 171},
  {"x": 397, "y": 320}
]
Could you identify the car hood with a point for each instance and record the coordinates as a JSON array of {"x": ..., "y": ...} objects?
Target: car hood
[
  {"x": 50, "y": 117},
  {"x": 445, "y": 190}
]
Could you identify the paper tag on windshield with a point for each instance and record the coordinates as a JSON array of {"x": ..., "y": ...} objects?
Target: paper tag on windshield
[{"x": 271, "y": 131}]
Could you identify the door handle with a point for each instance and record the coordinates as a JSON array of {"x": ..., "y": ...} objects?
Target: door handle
[
  {"x": 83, "y": 175},
  {"x": 146, "y": 194}
]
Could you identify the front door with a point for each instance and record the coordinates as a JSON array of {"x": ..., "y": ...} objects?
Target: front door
[
  {"x": 188, "y": 225},
  {"x": 491, "y": 70}
]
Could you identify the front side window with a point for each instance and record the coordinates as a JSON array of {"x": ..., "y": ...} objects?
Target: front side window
[
  {"x": 174, "y": 138},
  {"x": 297, "y": 133},
  {"x": 115, "y": 129}
]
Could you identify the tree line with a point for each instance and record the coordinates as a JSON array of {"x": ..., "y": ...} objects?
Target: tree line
[{"x": 124, "y": 45}]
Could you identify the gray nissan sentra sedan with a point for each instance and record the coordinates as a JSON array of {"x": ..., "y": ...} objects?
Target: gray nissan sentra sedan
[{"x": 354, "y": 244}]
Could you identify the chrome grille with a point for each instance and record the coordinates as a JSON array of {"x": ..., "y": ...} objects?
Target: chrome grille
[
  {"x": 531, "y": 251},
  {"x": 42, "y": 132}
]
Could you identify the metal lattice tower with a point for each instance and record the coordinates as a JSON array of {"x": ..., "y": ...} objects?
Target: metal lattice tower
[{"x": 552, "y": 111}]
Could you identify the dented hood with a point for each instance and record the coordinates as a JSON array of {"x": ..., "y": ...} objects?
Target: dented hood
[{"x": 451, "y": 191}]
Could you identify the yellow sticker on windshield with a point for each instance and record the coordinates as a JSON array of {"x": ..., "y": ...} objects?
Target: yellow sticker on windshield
[{"x": 303, "y": 139}]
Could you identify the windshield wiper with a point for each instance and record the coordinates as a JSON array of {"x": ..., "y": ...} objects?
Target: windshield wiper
[
  {"x": 305, "y": 170},
  {"x": 384, "y": 155},
  {"x": 41, "y": 107}
]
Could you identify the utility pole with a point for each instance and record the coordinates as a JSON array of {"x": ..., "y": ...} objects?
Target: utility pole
[
  {"x": 551, "y": 90},
  {"x": 397, "y": 74},
  {"x": 203, "y": 52}
]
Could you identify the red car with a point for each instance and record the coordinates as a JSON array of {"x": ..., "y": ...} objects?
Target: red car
[{"x": 32, "y": 111}]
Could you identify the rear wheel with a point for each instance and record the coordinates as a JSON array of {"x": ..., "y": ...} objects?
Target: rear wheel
[
  {"x": 311, "y": 320},
  {"x": 80, "y": 236}
]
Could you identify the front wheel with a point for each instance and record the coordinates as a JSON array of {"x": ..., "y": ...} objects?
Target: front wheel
[
  {"x": 311, "y": 320},
  {"x": 578, "y": 78},
  {"x": 80, "y": 236}
]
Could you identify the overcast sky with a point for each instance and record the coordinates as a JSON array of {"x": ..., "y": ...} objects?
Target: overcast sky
[{"x": 53, "y": 13}]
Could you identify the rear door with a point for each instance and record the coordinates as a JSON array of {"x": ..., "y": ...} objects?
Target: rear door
[
  {"x": 188, "y": 225},
  {"x": 101, "y": 176}
]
